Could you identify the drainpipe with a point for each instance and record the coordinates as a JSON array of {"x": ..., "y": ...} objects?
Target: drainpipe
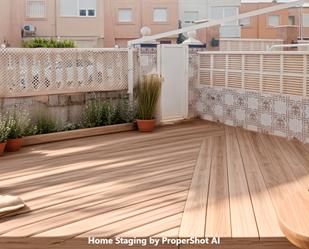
[
  {"x": 56, "y": 18},
  {"x": 301, "y": 24}
]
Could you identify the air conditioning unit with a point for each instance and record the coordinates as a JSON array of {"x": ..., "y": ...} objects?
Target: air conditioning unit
[{"x": 28, "y": 30}]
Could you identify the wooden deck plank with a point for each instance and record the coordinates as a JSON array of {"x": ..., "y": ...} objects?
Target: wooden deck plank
[
  {"x": 242, "y": 215},
  {"x": 130, "y": 181},
  {"x": 140, "y": 167},
  {"x": 302, "y": 151},
  {"x": 285, "y": 176},
  {"x": 138, "y": 184},
  {"x": 127, "y": 141},
  {"x": 103, "y": 161},
  {"x": 291, "y": 203},
  {"x": 194, "y": 217},
  {"x": 42, "y": 218},
  {"x": 218, "y": 221},
  {"x": 264, "y": 211},
  {"x": 77, "y": 228},
  {"x": 296, "y": 161},
  {"x": 185, "y": 175},
  {"x": 157, "y": 216},
  {"x": 156, "y": 227},
  {"x": 172, "y": 233}
]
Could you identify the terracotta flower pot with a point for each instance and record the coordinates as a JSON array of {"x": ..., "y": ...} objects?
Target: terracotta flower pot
[
  {"x": 14, "y": 145},
  {"x": 146, "y": 125},
  {"x": 2, "y": 148}
]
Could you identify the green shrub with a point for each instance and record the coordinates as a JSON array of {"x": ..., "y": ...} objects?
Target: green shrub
[
  {"x": 18, "y": 122},
  {"x": 107, "y": 112},
  {"x": 97, "y": 113},
  {"x": 48, "y": 43},
  {"x": 123, "y": 112},
  {"x": 4, "y": 129},
  {"x": 44, "y": 123}
]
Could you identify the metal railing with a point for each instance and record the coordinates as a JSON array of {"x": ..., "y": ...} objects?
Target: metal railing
[
  {"x": 30, "y": 72},
  {"x": 273, "y": 72}
]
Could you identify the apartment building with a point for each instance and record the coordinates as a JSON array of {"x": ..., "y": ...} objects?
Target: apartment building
[
  {"x": 192, "y": 10},
  {"x": 125, "y": 18},
  {"x": 91, "y": 23},
  {"x": 283, "y": 24},
  {"x": 80, "y": 20}
]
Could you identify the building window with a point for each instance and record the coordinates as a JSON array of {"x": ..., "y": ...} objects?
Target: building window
[
  {"x": 82, "y": 8},
  {"x": 218, "y": 13},
  {"x": 36, "y": 9},
  {"x": 125, "y": 15},
  {"x": 273, "y": 21},
  {"x": 246, "y": 22},
  {"x": 160, "y": 15},
  {"x": 87, "y": 7},
  {"x": 292, "y": 20},
  {"x": 306, "y": 20},
  {"x": 228, "y": 29},
  {"x": 190, "y": 17}
]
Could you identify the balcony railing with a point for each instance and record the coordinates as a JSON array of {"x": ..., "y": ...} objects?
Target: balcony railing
[
  {"x": 273, "y": 72},
  {"x": 29, "y": 72}
]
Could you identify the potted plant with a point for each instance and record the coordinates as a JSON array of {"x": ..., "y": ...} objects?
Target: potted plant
[
  {"x": 4, "y": 133},
  {"x": 147, "y": 95},
  {"x": 17, "y": 122}
]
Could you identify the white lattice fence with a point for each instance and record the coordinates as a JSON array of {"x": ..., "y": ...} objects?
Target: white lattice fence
[
  {"x": 29, "y": 72},
  {"x": 269, "y": 72},
  {"x": 247, "y": 44}
]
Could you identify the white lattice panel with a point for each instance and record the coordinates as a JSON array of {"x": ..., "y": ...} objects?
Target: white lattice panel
[
  {"x": 234, "y": 80},
  {"x": 219, "y": 78},
  {"x": 293, "y": 85},
  {"x": 252, "y": 81},
  {"x": 271, "y": 83},
  {"x": 219, "y": 61},
  {"x": 273, "y": 72},
  {"x": 205, "y": 77},
  {"x": 29, "y": 72},
  {"x": 271, "y": 63}
]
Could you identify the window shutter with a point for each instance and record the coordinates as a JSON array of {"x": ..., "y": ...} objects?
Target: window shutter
[{"x": 36, "y": 9}]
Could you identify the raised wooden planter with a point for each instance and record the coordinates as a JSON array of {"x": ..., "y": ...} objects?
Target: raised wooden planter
[{"x": 81, "y": 133}]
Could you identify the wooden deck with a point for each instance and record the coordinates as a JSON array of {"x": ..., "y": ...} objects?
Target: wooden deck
[{"x": 198, "y": 179}]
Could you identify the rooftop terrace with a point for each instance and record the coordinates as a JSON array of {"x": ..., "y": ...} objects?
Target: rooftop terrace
[{"x": 195, "y": 179}]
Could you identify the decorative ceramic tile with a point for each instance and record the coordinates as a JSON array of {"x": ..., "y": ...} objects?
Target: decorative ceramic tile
[
  {"x": 306, "y": 131},
  {"x": 306, "y": 108},
  {"x": 295, "y": 125},
  {"x": 266, "y": 104},
  {"x": 253, "y": 103},
  {"x": 240, "y": 118},
  {"x": 279, "y": 123},
  {"x": 266, "y": 120},
  {"x": 285, "y": 116},
  {"x": 209, "y": 109},
  {"x": 280, "y": 105},
  {"x": 218, "y": 111},
  {"x": 229, "y": 99},
  {"x": 241, "y": 100},
  {"x": 295, "y": 108}
]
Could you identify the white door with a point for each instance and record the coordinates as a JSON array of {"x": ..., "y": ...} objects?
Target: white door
[{"x": 173, "y": 61}]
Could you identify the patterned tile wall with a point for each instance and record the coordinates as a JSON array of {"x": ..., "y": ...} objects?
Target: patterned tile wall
[
  {"x": 193, "y": 79},
  {"x": 285, "y": 116},
  {"x": 148, "y": 60}
]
